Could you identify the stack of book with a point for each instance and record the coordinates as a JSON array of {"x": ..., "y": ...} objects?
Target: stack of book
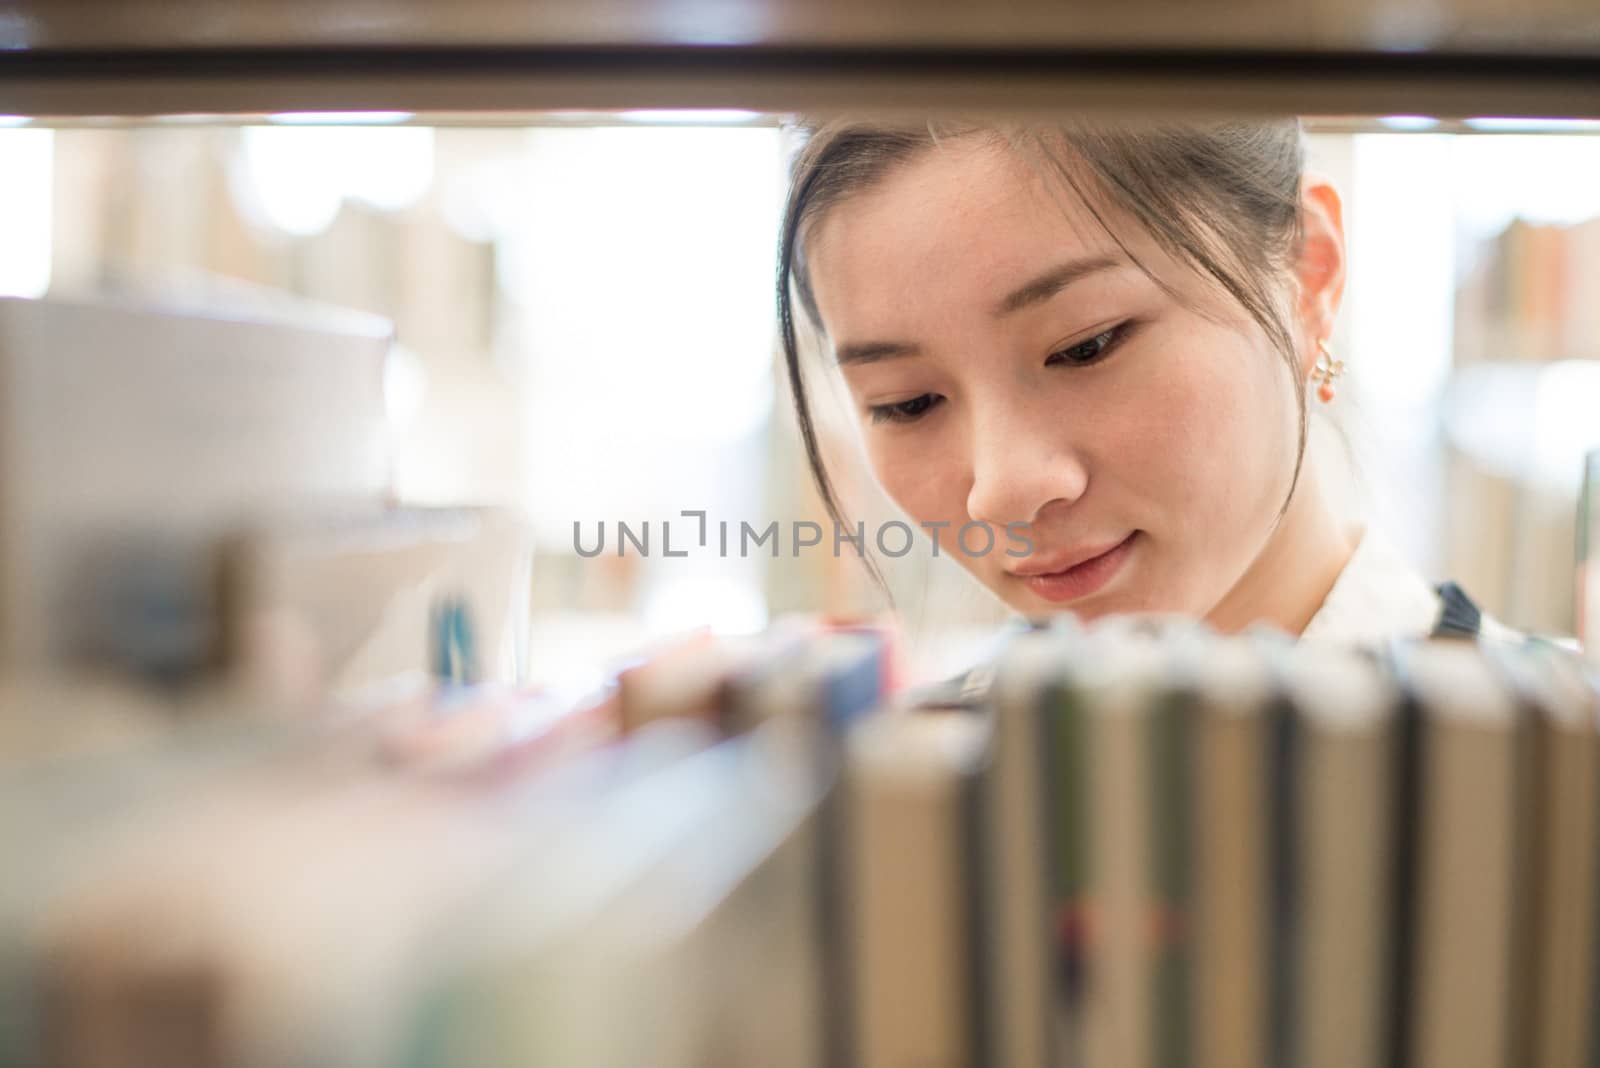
[
  {"x": 1161, "y": 847},
  {"x": 207, "y": 497},
  {"x": 1148, "y": 845},
  {"x": 461, "y": 875}
]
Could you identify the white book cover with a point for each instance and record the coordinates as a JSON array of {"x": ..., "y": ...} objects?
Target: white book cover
[{"x": 123, "y": 423}]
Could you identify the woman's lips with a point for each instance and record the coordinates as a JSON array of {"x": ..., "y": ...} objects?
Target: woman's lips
[{"x": 1083, "y": 578}]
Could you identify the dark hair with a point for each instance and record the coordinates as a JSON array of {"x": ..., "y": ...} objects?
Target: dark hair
[{"x": 1222, "y": 198}]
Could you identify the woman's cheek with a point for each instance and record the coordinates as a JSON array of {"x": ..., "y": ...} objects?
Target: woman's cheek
[{"x": 915, "y": 472}]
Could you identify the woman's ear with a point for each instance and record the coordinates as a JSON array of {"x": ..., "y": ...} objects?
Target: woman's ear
[{"x": 1320, "y": 265}]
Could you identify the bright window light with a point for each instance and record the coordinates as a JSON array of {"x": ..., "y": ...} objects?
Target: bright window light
[
  {"x": 1402, "y": 250},
  {"x": 1532, "y": 125},
  {"x": 1567, "y": 428},
  {"x": 1537, "y": 178},
  {"x": 296, "y": 178},
  {"x": 1409, "y": 123},
  {"x": 26, "y": 170},
  {"x": 700, "y": 117},
  {"x": 721, "y": 602},
  {"x": 340, "y": 118},
  {"x": 1530, "y": 421},
  {"x": 642, "y": 270},
  {"x": 405, "y": 385}
]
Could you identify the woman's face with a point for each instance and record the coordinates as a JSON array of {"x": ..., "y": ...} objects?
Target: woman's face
[{"x": 1009, "y": 364}]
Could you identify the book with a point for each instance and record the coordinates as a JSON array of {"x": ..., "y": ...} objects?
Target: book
[
  {"x": 320, "y": 605},
  {"x": 1233, "y": 895},
  {"x": 1069, "y": 888},
  {"x": 911, "y": 866},
  {"x": 807, "y": 700},
  {"x": 1017, "y": 887},
  {"x": 1557, "y": 841},
  {"x": 1148, "y": 846},
  {"x": 132, "y": 435},
  {"x": 1337, "y": 877},
  {"x": 1587, "y": 587},
  {"x": 1457, "y": 1003},
  {"x": 693, "y": 899}
]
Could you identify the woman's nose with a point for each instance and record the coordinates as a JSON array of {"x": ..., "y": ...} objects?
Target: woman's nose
[{"x": 1020, "y": 465}]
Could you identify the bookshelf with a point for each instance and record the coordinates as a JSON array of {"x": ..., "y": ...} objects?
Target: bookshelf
[
  {"x": 447, "y": 876},
  {"x": 1526, "y": 340},
  {"x": 1467, "y": 57}
]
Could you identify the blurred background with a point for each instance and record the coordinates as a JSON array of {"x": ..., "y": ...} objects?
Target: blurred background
[{"x": 584, "y": 316}]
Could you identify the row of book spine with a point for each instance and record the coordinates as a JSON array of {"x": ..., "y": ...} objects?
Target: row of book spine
[
  {"x": 1138, "y": 844},
  {"x": 1187, "y": 850},
  {"x": 451, "y": 875}
]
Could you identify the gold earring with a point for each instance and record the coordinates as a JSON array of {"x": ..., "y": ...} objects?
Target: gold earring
[{"x": 1326, "y": 370}]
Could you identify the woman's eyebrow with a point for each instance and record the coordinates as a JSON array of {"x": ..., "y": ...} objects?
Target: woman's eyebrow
[
  {"x": 1052, "y": 282},
  {"x": 1039, "y": 289},
  {"x": 871, "y": 351}
]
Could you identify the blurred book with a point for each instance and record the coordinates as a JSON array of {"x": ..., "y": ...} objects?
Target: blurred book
[
  {"x": 337, "y": 604},
  {"x": 1466, "y": 816},
  {"x": 1524, "y": 296},
  {"x": 1241, "y": 851},
  {"x": 381, "y": 889},
  {"x": 674, "y": 925},
  {"x": 1587, "y": 587},
  {"x": 1519, "y": 416},
  {"x": 127, "y": 427},
  {"x": 1148, "y": 846},
  {"x": 910, "y": 868},
  {"x": 1338, "y": 808}
]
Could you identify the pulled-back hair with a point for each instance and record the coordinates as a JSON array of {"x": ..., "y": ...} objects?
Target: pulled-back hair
[{"x": 1223, "y": 198}]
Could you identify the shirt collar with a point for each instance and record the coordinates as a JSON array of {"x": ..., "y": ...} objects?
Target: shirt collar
[{"x": 1378, "y": 596}]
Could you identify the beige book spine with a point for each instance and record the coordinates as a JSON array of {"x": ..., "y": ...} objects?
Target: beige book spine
[
  {"x": 1346, "y": 840},
  {"x": 1569, "y": 796},
  {"x": 912, "y": 975},
  {"x": 1465, "y": 891},
  {"x": 1017, "y": 929},
  {"x": 1230, "y": 890},
  {"x": 1119, "y": 1017}
]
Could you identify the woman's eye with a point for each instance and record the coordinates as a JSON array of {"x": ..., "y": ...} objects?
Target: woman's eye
[
  {"x": 903, "y": 411},
  {"x": 1090, "y": 351}
]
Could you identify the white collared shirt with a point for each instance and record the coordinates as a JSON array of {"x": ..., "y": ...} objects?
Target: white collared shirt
[{"x": 1378, "y": 596}]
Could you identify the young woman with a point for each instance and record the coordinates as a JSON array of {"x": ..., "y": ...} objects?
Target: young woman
[{"x": 1107, "y": 341}]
